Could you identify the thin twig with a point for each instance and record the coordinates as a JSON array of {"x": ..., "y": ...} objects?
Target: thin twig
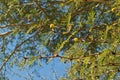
[
  {"x": 6, "y": 33},
  {"x": 15, "y": 49},
  {"x": 42, "y": 9}
]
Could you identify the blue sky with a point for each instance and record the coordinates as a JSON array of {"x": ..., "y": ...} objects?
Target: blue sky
[{"x": 50, "y": 71}]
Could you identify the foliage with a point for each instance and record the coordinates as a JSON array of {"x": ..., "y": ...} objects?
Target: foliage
[{"x": 26, "y": 25}]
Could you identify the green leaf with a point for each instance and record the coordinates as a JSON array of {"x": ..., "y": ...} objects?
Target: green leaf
[{"x": 31, "y": 60}]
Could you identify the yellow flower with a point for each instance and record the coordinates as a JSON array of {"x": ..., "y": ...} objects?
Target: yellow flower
[
  {"x": 76, "y": 39},
  {"x": 52, "y": 26},
  {"x": 113, "y": 9}
]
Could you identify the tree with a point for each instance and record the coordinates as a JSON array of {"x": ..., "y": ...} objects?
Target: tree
[{"x": 86, "y": 31}]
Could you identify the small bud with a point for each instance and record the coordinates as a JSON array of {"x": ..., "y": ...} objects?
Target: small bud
[
  {"x": 75, "y": 39},
  {"x": 113, "y": 9},
  {"x": 52, "y": 26}
]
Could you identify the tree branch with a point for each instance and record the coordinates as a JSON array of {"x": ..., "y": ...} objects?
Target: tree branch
[
  {"x": 15, "y": 49},
  {"x": 42, "y": 9},
  {"x": 99, "y": 1},
  {"x": 6, "y": 33}
]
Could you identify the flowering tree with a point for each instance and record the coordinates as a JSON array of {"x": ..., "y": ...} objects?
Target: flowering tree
[{"x": 86, "y": 31}]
